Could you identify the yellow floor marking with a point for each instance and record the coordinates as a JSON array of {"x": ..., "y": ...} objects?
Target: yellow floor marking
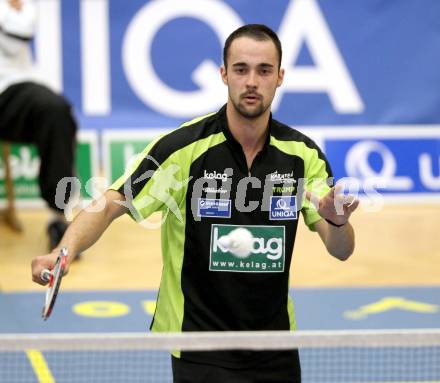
[
  {"x": 391, "y": 303},
  {"x": 40, "y": 366},
  {"x": 149, "y": 307}
]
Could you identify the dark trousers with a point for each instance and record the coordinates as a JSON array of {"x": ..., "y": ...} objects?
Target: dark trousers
[
  {"x": 31, "y": 113},
  {"x": 283, "y": 369}
]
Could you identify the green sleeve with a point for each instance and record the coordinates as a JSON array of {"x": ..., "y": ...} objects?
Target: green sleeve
[{"x": 149, "y": 186}]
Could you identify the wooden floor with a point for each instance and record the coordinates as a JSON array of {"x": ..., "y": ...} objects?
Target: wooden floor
[{"x": 399, "y": 245}]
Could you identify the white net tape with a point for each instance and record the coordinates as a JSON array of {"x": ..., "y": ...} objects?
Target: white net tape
[{"x": 326, "y": 356}]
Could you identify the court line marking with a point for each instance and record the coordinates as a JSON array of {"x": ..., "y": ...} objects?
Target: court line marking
[{"x": 40, "y": 366}]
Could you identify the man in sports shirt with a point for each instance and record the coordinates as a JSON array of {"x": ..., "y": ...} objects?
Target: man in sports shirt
[{"x": 236, "y": 168}]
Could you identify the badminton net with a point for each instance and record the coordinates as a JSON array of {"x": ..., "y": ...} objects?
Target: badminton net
[{"x": 379, "y": 356}]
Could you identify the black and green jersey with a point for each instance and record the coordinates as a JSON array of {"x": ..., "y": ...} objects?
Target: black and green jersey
[{"x": 198, "y": 176}]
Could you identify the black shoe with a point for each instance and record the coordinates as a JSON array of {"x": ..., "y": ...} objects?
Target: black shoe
[{"x": 55, "y": 231}]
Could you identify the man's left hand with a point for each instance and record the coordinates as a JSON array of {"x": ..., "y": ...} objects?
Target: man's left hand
[{"x": 334, "y": 206}]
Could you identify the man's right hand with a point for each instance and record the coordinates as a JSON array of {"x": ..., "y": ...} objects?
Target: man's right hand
[{"x": 45, "y": 262}]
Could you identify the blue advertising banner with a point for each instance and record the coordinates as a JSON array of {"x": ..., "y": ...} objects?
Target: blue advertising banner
[
  {"x": 155, "y": 63},
  {"x": 401, "y": 161}
]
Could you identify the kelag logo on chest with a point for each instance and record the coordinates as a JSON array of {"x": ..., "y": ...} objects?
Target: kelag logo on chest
[{"x": 267, "y": 255}]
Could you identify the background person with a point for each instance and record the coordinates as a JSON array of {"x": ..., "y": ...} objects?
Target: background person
[{"x": 32, "y": 113}]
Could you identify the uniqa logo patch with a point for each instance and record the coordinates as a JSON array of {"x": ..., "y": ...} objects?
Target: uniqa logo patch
[
  {"x": 267, "y": 255},
  {"x": 282, "y": 207}
]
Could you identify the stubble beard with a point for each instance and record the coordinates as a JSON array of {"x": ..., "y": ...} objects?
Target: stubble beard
[{"x": 250, "y": 114}]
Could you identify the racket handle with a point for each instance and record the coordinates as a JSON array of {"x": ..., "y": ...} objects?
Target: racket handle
[{"x": 45, "y": 275}]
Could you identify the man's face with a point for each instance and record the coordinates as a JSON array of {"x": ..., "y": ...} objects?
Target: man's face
[{"x": 252, "y": 75}]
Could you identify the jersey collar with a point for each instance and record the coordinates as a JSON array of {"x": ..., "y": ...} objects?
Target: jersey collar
[{"x": 230, "y": 138}]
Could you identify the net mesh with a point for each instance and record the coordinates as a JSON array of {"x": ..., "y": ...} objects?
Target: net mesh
[{"x": 351, "y": 356}]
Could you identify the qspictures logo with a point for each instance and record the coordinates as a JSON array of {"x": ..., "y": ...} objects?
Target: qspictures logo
[{"x": 267, "y": 255}]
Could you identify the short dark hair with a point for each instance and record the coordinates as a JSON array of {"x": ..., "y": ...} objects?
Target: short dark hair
[{"x": 257, "y": 32}]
